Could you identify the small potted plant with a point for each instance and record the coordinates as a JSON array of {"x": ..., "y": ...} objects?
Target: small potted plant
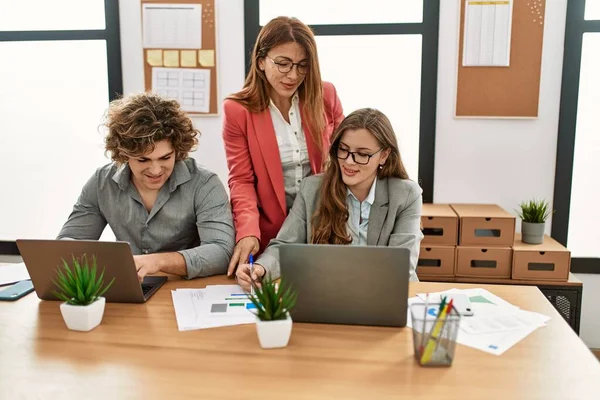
[
  {"x": 81, "y": 292},
  {"x": 273, "y": 322},
  {"x": 533, "y": 216}
]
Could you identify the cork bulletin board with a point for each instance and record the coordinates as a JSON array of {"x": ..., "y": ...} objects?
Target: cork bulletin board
[
  {"x": 180, "y": 52},
  {"x": 505, "y": 92}
]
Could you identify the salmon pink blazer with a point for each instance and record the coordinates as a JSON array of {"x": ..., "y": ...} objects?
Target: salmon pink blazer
[{"x": 255, "y": 172}]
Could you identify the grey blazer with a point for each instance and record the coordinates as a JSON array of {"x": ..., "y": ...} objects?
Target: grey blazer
[{"x": 394, "y": 220}]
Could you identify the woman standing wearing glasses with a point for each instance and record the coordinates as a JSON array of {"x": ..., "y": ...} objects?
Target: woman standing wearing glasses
[
  {"x": 276, "y": 131},
  {"x": 363, "y": 198}
]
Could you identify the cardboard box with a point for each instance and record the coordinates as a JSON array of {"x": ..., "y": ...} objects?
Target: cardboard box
[
  {"x": 440, "y": 225},
  {"x": 488, "y": 262},
  {"x": 436, "y": 261},
  {"x": 484, "y": 225},
  {"x": 549, "y": 261},
  {"x": 435, "y": 278}
]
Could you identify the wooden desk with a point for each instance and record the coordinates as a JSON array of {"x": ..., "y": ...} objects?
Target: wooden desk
[{"x": 137, "y": 352}]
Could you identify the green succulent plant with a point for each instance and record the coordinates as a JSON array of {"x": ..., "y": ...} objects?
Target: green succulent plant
[
  {"x": 535, "y": 211},
  {"x": 272, "y": 300},
  {"x": 78, "y": 284}
]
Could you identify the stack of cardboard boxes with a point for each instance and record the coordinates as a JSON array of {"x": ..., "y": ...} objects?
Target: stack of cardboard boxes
[
  {"x": 440, "y": 236},
  {"x": 478, "y": 241}
]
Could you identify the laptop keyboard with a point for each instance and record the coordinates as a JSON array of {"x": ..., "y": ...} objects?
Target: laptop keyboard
[{"x": 146, "y": 289}]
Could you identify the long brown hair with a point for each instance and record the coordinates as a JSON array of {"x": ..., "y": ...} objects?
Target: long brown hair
[
  {"x": 255, "y": 93},
  {"x": 331, "y": 215}
]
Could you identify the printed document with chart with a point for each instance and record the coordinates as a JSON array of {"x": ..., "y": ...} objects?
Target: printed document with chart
[{"x": 211, "y": 307}]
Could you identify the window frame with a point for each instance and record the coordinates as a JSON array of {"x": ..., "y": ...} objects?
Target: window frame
[
  {"x": 111, "y": 34},
  {"x": 576, "y": 26},
  {"x": 428, "y": 29}
]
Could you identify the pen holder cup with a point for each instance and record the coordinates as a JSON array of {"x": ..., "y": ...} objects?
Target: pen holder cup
[{"x": 434, "y": 338}]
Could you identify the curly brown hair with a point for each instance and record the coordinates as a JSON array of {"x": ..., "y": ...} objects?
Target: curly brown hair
[{"x": 136, "y": 122}]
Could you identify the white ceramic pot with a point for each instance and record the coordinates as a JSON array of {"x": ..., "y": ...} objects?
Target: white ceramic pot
[
  {"x": 83, "y": 318},
  {"x": 274, "y": 334}
]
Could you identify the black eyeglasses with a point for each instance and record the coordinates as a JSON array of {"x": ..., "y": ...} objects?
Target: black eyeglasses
[
  {"x": 285, "y": 66},
  {"x": 358, "y": 157}
]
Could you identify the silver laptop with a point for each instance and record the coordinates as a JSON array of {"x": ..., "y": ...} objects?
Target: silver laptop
[
  {"x": 354, "y": 285},
  {"x": 42, "y": 258}
]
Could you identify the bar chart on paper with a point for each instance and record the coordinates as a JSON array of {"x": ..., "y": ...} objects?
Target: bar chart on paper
[
  {"x": 214, "y": 306},
  {"x": 228, "y": 300},
  {"x": 487, "y": 33}
]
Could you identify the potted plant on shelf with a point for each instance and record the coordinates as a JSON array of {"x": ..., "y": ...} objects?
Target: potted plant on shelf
[
  {"x": 273, "y": 322},
  {"x": 533, "y": 216},
  {"x": 81, "y": 292}
]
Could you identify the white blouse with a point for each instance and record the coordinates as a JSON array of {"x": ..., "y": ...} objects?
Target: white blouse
[{"x": 292, "y": 148}]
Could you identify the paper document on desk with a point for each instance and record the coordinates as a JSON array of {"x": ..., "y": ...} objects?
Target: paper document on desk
[
  {"x": 214, "y": 306},
  {"x": 13, "y": 273},
  {"x": 487, "y": 303},
  {"x": 499, "y": 323},
  {"x": 496, "y": 326}
]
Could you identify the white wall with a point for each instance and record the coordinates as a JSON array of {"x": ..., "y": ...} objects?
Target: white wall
[
  {"x": 497, "y": 161},
  {"x": 230, "y": 64},
  {"x": 590, "y": 316}
]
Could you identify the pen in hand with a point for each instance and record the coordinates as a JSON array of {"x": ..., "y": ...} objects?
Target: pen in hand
[{"x": 251, "y": 261}]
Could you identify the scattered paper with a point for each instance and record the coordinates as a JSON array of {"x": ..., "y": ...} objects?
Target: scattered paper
[
  {"x": 154, "y": 58},
  {"x": 171, "y": 58},
  {"x": 499, "y": 323},
  {"x": 496, "y": 326},
  {"x": 172, "y": 26},
  {"x": 206, "y": 58},
  {"x": 188, "y": 58},
  {"x": 13, "y": 273},
  {"x": 190, "y": 87},
  {"x": 488, "y": 303}
]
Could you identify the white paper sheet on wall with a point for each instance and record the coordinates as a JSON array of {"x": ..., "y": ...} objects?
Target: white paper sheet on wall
[
  {"x": 487, "y": 33},
  {"x": 189, "y": 86},
  {"x": 172, "y": 26}
]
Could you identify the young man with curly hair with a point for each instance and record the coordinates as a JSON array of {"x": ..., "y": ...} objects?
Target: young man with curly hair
[{"x": 174, "y": 214}]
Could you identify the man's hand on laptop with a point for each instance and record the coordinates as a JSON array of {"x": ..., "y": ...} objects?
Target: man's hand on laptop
[
  {"x": 147, "y": 264},
  {"x": 244, "y": 276},
  {"x": 150, "y": 264}
]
